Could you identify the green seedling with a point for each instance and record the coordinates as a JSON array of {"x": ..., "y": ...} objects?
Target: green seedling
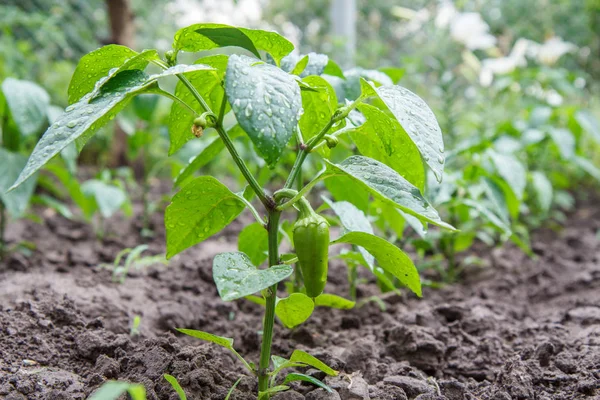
[
  {"x": 395, "y": 131},
  {"x": 133, "y": 259}
]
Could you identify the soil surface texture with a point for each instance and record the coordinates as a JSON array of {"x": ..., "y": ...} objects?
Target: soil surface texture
[{"x": 520, "y": 328}]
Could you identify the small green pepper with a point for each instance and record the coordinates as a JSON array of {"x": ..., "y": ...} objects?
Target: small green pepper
[{"x": 311, "y": 240}]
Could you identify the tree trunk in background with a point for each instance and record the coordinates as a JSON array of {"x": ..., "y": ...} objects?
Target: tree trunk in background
[{"x": 122, "y": 30}]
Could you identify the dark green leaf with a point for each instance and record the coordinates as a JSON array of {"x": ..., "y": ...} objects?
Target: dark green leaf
[
  {"x": 200, "y": 37},
  {"x": 389, "y": 257},
  {"x": 236, "y": 277},
  {"x": 266, "y": 102},
  {"x": 199, "y": 210}
]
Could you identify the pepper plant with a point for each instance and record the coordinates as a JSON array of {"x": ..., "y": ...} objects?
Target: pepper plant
[{"x": 273, "y": 107}]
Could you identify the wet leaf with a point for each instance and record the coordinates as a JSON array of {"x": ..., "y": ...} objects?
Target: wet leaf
[
  {"x": 388, "y": 256},
  {"x": 208, "y": 85},
  {"x": 318, "y": 106},
  {"x": 294, "y": 310},
  {"x": 96, "y": 65},
  {"x": 383, "y": 139},
  {"x": 199, "y": 37},
  {"x": 266, "y": 102},
  {"x": 236, "y": 276},
  {"x": 387, "y": 185},
  {"x": 199, "y": 210},
  {"x": 16, "y": 202},
  {"x": 82, "y": 119},
  {"x": 28, "y": 104}
]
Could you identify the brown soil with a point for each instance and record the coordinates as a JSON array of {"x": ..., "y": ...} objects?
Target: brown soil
[{"x": 519, "y": 329}]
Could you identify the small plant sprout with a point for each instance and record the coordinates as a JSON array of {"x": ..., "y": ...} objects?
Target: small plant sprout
[{"x": 273, "y": 101}]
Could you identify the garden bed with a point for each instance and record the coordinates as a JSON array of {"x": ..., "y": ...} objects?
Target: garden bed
[{"x": 519, "y": 329}]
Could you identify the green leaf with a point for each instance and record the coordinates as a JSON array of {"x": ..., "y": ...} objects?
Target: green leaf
[
  {"x": 383, "y": 139},
  {"x": 16, "y": 202},
  {"x": 511, "y": 171},
  {"x": 543, "y": 190},
  {"x": 333, "y": 69},
  {"x": 200, "y": 37},
  {"x": 183, "y": 69},
  {"x": 112, "y": 390},
  {"x": 318, "y": 106},
  {"x": 385, "y": 184},
  {"x": 266, "y": 102},
  {"x": 356, "y": 84},
  {"x": 394, "y": 73},
  {"x": 489, "y": 215},
  {"x": 389, "y": 257},
  {"x": 342, "y": 188},
  {"x": 208, "y": 85},
  {"x": 294, "y": 376},
  {"x": 314, "y": 65},
  {"x": 176, "y": 386},
  {"x": 589, "y": 123},
  {"x": 84, "y": 118},
  {"x": 28, "y": 104},
  {"x": 564, "y": 140},
  {"x": 233, "y": 388},
  {"x": 199, "y": 210},
  {"x": 109, "y": 198},
  {"x": 236, "y": 277},
  {"x": 87, "y": 205},
  {"x": 254, "y": 242},
  {"x": 209, "y": 337},
  {"x": 353, "y": 219},
  {"x": 419, "y": 122},
  {"x": 96, "y": 65},
  {"x": 333, "y": 301},
  {"x": 294, "y": 310},
  {"x": 305, "y": 358},
  {"x": 298, "y": 68},
  {"x": 207, "y": 154}
]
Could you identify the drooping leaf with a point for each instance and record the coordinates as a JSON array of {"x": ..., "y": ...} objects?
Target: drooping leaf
[
  {"x": 419, "y": 122},
  {"x": 543, "y": 190},
  {"x": 387, "y": 185},
  {"x": 388, "y": 256},
  {"x": 333, "y": 301},
  {"x": 96, "y": 65},
  {"x": 112, "y": 390},
  {"x": 236, "y": 277},
  {"x": 28, "y": 104},
  {"x": 207, "y": 154},
  {"x": 294, "y": 310},
  {"x": 199, "y": 37},
  {"x": 209, "y": 337},
  {"x": 266, "y": 102},
  {"x": 511, "y": 170},
  {"x": 16, "y": 202},
  {"x": 305, "y": 358},
  {"x": 318, "y": 106},
  {"x": 208, "y": 85},
  {"x": 109, "y": 198},
  {"x": 254, "y": 242},
  {"x": 82, "y": 119},
  {"x": 383, "y": 139},
  {"x": 176, "y": 386},
  {"x": 294, "y": 376},
  {"x": 199, "y": 210}
]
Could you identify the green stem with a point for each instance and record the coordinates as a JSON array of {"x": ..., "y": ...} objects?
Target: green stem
[
  {"x": 2, "y": 229},
  {"x": 269, "y": 319},
  {"x": 260, "y": 193}
]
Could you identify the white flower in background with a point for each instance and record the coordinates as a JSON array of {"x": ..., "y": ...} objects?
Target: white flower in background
[
  {"x": 445, "y": 14},
  {"x": 416, "y": 18},
  {"x": 553, "y": 49},
  {"x": 472, "y": 31},
  {"x": 506, "y": 65}
]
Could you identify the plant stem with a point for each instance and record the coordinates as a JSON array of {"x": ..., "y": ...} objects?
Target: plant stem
[
  {"x": 260, "y": 193},
  {"x": 2, "y": 229},
  {"x": 269, "y": 319}
]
